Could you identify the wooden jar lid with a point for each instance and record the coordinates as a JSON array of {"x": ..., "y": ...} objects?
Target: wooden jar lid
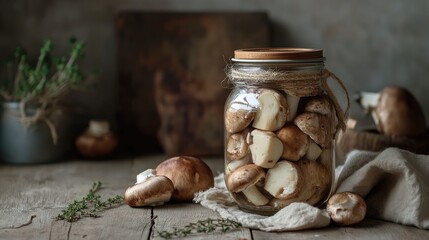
[{"x": 288, "y": 54}]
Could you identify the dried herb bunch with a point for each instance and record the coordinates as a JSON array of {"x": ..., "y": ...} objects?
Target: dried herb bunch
[
  {"x": 47, "y": 79},
  {"x": 89, "y": 206},
  {"x": 203, "y": 226}
]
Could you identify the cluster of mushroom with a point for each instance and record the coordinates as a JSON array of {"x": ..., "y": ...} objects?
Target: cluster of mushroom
[
  {"x": 176, "y": 179},
  {"x": 278, "y": 147}
]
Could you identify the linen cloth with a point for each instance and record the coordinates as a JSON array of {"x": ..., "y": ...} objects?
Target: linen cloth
[{"x": 394, "y": 183}]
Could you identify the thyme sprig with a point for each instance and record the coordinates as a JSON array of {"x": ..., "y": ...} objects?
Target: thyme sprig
[
  {"x": 202, "y": 226},
  {"x": 89, "y": 206}
]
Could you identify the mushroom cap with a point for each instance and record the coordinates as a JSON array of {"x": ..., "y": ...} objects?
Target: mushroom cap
[
  {"x": 237, "y": 145},
  {"x": 319, "y": 104},
  {"x": 346, "y": 208},
  {"x": 244, "y": 177},
  {"x": 317, "y": 182},
  {"x": 237, "y": 120},
  {"x": 188, "y": 174},
  {"x": 295, "y": 142},
  {"x": 156, "y": 189},
  {"x": 317, "y": 126},
  {"x": 399, "y": 113}
]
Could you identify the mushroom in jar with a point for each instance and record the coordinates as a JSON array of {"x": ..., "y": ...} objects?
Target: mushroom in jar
[
  {"x": 272, "y": 112},
  {"x": 244, "y": 180},
  {"x": 295, "y": 142},
  {"x": 284, "y": 180},
  {"x": 266, "y": 148}
]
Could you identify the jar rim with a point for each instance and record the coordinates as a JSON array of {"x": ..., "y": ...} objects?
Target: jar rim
[{"x": 290, "y": 55}]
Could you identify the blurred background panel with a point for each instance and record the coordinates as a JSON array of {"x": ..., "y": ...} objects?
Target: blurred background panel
[
  {"x": 170, "y": 73},
  {"x": 368, "y": 44}
]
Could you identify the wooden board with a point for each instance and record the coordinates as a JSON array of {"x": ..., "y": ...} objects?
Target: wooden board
[{"x": 170, "y": 69}]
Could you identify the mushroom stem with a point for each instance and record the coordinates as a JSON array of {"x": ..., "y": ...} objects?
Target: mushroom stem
[{"x": 255, "y": 196}]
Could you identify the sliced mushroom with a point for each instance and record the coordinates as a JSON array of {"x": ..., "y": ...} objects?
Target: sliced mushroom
[
  {"x": 295, "y": 142},
  {"x": 237, "y": 145},
  {"x": 284, "y": 180},
  {"x": 237, "y": 120},
  {"x": 346, "y": 208},
  {"x": 319, "y": 104},
  {"x": 317, "y": 126},
  {"x": 293, "y": 102},
  {"x": 155, "y": 190},
  {"x": 188, "y": 174},
  {"x": 314, "y": 151},
  {"x": 272, "y": 112},
  {"x": 244, "y": 180},
  {"x": 266, "y": 148}
]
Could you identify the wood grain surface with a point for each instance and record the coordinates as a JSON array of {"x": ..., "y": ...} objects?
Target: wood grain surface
[{"x": 31, "y": 197}]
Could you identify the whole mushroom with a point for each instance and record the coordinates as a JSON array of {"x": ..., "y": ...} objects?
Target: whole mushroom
[
  {"x": 244, "y": 180},
  {"x": 346, "y": 208},
  {"x": 396, "y": 112},
  {"x": 295, "y": 142},
  {"x": 153, "y": 191},
  {"x": 188, "y": 174}
]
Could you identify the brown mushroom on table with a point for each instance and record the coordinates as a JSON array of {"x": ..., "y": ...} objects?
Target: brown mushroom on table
[
  {"x": 346, "y": 208},
  {"x": 153, "y": 191},
  {"x": 244, "y": 180},
  {"x": 396, "y": 112},
  {"x": 188, "y": 174}
]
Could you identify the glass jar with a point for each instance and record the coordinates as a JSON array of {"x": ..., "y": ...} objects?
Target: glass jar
[{"x": 281, "y": 119}]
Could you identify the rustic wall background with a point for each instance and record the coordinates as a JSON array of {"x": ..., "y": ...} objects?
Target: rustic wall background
[{"x": 368, "y": 44}]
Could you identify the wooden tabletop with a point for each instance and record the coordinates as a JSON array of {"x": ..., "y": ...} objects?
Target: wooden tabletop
[{"x": 31, "y": 196}]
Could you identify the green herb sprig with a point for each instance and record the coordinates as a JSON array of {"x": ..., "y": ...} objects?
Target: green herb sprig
[
  {"x": 47, "y": 79},
  {"x": 202, "y": 226},
  {"x": 89, "y": 206}
]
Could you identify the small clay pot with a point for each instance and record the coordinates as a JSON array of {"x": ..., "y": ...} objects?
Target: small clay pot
[{"x": 97, "y": 141}]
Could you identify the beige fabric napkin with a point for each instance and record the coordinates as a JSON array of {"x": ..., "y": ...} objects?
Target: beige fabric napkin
[{"x": 395, "y": 184}]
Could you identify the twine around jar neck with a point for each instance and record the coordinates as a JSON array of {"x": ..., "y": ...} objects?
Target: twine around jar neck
[{"x": 301, "y": 83}]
